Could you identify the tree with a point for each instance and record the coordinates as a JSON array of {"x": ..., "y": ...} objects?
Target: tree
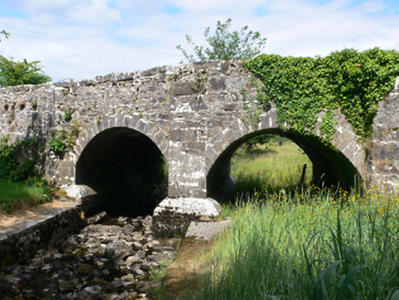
[
  {"x": 5, "y": 33},
  {"x": 226, "y": 45},
  {"x": 16, "y": 73},
  {"x": 252, "y": 143}
]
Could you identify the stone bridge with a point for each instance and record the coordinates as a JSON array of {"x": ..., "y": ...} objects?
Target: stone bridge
[{"x": 191, "y": 116}]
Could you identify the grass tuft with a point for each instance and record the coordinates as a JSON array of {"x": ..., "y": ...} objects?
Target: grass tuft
[{"x": 17, "y": 195}]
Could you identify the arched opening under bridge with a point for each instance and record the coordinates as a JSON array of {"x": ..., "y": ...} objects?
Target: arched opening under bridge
[
  {"x": 330, "y": 168},
  {"x": 126, "y": 169}
]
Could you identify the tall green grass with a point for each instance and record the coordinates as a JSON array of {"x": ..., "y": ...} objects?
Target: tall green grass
[
  {"x": 269, "y": 168},
  {"x": 294, "y": 241},
  {"x": 20, "y": 195},
  {"x": 308, "y": 248}
]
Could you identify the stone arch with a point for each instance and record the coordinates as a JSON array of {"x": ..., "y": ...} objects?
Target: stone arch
[
  {"x": 330, "y": 167},
  {"x": 155, "y": 133},
  {"x": 124, "y": 167}
]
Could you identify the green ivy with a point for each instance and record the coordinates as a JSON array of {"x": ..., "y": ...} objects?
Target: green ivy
[
  {"x": 303, "y": 87},
  {"x": 19, "y": 160}
]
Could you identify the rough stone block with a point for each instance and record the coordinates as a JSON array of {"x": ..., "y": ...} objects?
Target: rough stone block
[
  {"x": 150, "y": 72},
  {"x": 181, "y": 88},
  {"x": 183, "y": 135},
  {"x": 173, "y": 215},
  {"x": 385, "y": 151},
  {"x": 206, "y": 229},
  {"x": 217, "y": 83}
]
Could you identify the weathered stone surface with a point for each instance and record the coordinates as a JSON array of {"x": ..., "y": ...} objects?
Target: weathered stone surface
[
  {"x": 217, "y": 83},
  {"x": 181, "y": 89},
  {"x": 193, "y": 114},
  {"x": 24, "y": 241},
  {"x": 78, "y": 192},
  {"x": 383, "y": 160},
  {"x": 158, "y": 103},
  {"x": 173, "y": 215},
  {"x": 206, "y": 229}
]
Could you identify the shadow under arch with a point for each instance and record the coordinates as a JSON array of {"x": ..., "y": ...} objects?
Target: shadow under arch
[
  {"x": 330, "y": 167},
  {"x": 126, "y": 169}
]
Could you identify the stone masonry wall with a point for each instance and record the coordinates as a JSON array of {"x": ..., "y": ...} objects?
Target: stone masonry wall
[
  {"x": 384, "y": 145},
  {"x": 187, "y": 110},
  {"x": 191, "y": 112}
]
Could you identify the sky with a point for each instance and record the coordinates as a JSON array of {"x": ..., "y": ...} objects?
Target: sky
[{"x": 81, "y": 39}]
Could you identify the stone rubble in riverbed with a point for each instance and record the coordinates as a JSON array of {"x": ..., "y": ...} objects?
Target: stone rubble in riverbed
[{"x": 102, "y": 261}]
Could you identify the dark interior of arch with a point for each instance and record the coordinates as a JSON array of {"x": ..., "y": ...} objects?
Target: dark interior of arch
[
  {"x": 330, "y": 167},
  {"x": 125, "y": 168}
]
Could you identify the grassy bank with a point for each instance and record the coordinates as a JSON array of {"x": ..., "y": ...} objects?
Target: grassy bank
[{"x": 20, "y": 195}]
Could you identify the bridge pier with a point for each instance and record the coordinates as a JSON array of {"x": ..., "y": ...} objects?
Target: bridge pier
[{"x": 187, "y": 190}]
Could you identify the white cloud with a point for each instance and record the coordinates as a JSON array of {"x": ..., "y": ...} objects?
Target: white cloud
[
  {"x": 306, "y": 29},
  {"x": 84, "y": 38},
  {"x": 96, "y": 12},
  {"x": 45, "y": 5}
]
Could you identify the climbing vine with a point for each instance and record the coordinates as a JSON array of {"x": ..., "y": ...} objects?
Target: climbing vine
[
  {"x": 303, "y": 87},
  {"x": 19, "y": 161}
]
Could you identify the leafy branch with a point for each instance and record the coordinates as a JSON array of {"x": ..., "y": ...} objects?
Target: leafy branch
[
  {"x": 225, "y": 45},
  {"x": 5, "y": 33},
  {"x": 17, "y": 73}
]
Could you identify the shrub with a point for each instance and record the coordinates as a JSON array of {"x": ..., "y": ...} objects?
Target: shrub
[
  {"x": 64, "y": 140},
  {"x": 21, "y": 160}
]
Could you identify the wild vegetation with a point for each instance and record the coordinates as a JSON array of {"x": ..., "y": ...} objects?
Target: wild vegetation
[
  {"x": 65, "y": 139},
  {"x": 21, "y": 179},
  {"x": 20, "y": 72},
  {"x": 304, "y": 87},
  {"x": 309, "y": 247},
  {"x": 266, "y": 168},
  {"x": 15, "y": 195},
  {"x": 295, "y": 241},
  {"x": 225, "y": 45}
]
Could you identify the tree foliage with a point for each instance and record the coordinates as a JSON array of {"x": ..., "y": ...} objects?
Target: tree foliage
[
  {"x": 226, "y": 45},
  {"x": 305, "y": 88},
  {"x": 5, "y": 33},
  {"x": 16, "y": 73},
  {"x": 252, "y": 143}
]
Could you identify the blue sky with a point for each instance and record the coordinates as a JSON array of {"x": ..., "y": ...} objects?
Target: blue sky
[{"x": 81, "y": 39}]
